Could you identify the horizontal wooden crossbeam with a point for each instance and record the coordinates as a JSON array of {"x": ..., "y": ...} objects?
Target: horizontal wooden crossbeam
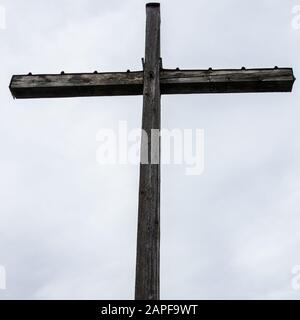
[
  {"x": 77, "y": 85},
  {"x": 227, "y": 81},
  {"x": 171, "y": 82}
]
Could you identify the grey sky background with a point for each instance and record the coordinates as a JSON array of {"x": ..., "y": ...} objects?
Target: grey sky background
[{"x": 68, "y": 225}]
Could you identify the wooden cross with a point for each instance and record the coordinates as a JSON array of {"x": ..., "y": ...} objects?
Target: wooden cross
[{"x": 153, "y": 81}]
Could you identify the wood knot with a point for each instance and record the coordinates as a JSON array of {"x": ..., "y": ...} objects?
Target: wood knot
[{"x": 151, "y": 74}]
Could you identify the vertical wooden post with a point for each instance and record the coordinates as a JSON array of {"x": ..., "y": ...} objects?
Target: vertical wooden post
[{"x": 148, "y": 235}]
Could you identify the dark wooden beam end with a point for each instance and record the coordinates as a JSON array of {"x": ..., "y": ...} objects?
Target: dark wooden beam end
[{"x": 153, "y": 4}]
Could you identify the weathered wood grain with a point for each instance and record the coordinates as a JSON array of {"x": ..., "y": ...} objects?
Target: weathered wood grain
[
  {"x": 148, "y": 234},
  {"x": 226, "y": 81},
  {"x": 77, "y": 85},
  {"x": 171, "y": 82}
]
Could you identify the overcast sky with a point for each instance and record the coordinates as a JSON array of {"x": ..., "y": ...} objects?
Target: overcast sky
[{"x": 68, "y": 225}]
